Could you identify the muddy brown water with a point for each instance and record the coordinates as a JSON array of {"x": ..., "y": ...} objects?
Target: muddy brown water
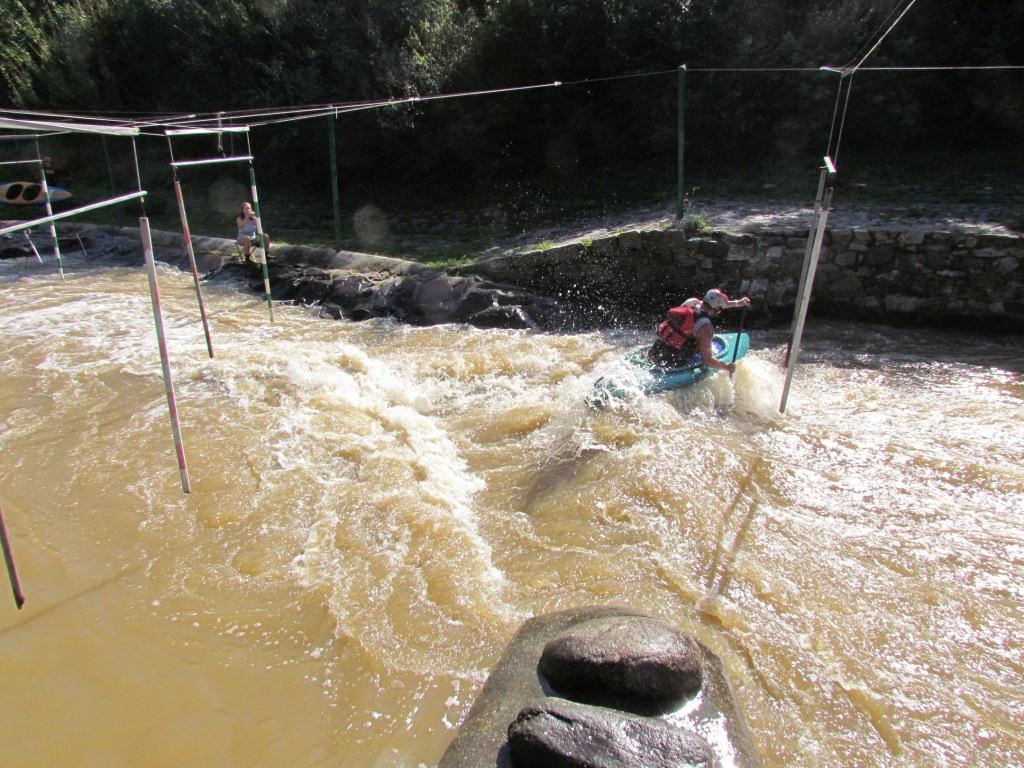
[{"x": 376, "y": 508}]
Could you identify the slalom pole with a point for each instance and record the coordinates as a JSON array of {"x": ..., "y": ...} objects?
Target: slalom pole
[
  {"x": 680, "y": 143},
  {"x": 82, "y": 246},
  {"x": 158, "y": 320},
  {"x": 260, "y": 235},
  {"x": 12, "y": 573},
  {"x": 33, "y": 246},
  {"x": 803, "y": 300},
  {"x": 49, "y": 211},
  {"x": 811, "y": 236},
  {"x": 192, "y": 263},
  {"x": 154, "y": 294}
]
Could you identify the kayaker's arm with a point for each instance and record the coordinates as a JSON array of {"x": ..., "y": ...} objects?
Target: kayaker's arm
[{"x": 704, "y": 336}]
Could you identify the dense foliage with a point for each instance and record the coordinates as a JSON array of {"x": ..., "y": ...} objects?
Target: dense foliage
[{"x": 160, "y": 56}]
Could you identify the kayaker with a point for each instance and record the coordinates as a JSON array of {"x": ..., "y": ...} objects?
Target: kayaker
[{"x": 687, "y": 331}]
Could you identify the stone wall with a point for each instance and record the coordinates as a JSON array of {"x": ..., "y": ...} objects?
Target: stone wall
[{"x": 875, "y": 275}]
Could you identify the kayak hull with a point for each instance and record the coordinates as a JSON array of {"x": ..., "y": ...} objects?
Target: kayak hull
[
  {"x": 29, "y": 193},
  {"x": 651, "y": 379}
]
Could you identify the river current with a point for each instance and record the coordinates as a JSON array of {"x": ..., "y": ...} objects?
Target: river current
[{"x": 376, "y": 508}]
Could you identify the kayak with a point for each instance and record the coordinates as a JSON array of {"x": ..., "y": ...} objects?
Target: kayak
[
  {"x": 650, "y": 378},
  {"x": 29, "y": 193}
]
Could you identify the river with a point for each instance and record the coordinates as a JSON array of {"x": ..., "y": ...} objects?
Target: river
[{"x": 376, "y": 508}]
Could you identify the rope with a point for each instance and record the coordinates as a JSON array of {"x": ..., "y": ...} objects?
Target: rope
[
  {"x": 872, "y": 36},
  {"x": 879, "y": 42}
]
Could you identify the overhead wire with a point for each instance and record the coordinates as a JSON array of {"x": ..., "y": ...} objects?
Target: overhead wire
[
  {"x": 277, "y": 115},
  {"x": 846, "y": 78}
]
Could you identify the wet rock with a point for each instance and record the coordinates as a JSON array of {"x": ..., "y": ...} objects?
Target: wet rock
[
  {"x": 303, "y": 286},
  {"x": 636, "y": 662},
  {"x": 484, "y": 738},
  {"x": 556, "y": 733}
]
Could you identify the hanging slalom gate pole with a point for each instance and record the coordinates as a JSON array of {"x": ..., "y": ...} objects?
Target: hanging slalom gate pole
[
  {"x": 12, "y": 573},
  {"x": 335, "y": 198},
  {"x": 49, "y": 211},
  {"x": 110, "y": 168},
  {"x": 681, "y": 105},
  {"x": 811, "y": 236},
  {"x": 158, "y": 321},
  {"x": 172, "y": 406},
  {"x": 815, "y": 236},
  {"x": 192, "y": 263},
  {"x": 82, "y": 246},
  {"x": 33, "y": 246},
  {"x": 262, "y": 237}
]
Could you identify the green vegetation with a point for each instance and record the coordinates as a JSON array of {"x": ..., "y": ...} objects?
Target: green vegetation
[
  {"x": 697, "y": 223},
  {"x": 516, "y": 161}
]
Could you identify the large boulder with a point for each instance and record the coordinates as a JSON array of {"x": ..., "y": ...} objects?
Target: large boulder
[
  {"x": 517, "y": 692},
  {"x": 634, "y": 662},
  {"x": 556, "y": 733}
]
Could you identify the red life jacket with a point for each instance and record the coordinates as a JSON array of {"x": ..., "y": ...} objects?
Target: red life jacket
[{"x": 677, "y": 327}]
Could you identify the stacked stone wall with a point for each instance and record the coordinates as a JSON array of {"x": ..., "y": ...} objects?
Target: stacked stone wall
[{"x": 876, "y": 275}]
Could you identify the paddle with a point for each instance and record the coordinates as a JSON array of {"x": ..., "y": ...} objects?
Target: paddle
[
  {"x": 736, "y": 346},
  {"x": 19, "y": 599}
]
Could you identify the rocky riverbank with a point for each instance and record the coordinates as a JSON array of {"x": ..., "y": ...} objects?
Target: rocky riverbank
[{"x": 897, "y": 276}]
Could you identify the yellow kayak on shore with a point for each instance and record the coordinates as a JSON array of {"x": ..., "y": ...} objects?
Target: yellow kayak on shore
[{"x": 29, "y": 193}]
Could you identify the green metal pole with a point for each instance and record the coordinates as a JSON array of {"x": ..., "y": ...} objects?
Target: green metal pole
[
  {"x": 335, "y": 199},
  {"x": 110, "y": 170},
  {"x": 680, "y": 187},
  {"x": 263, "y": 239}
]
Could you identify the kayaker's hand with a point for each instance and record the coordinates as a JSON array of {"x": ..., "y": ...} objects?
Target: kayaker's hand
[{"x": 731, "y": 368}]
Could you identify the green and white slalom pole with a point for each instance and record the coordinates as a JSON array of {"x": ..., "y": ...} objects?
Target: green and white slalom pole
[
  {"x": 262, "y": 237},
  {"x": 49, "y": 211},
  {"x": 192, "y": 263}
]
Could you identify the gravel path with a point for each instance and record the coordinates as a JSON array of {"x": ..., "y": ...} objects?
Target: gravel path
[{"x": 732, "y": 215}]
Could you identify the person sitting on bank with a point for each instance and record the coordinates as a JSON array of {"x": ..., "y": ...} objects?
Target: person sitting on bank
[
  {"x": 248, "y": 233},
  {"x": 687, "y": 331}
]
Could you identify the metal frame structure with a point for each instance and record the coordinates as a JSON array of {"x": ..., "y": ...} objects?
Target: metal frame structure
[
  {"x": 38, "y": 162},
  {"x": 147, "y": 250}
]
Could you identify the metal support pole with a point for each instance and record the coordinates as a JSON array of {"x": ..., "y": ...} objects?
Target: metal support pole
[
  {"x": 263, "y": 240},
  {"x": 154, "y": 294},
  {"x": 804, "y": 296},
  {"x": 335, "y": 198},
  {"x": 680, "y": 185},
  {"x": 12, "y": 573},
  {"x": 192, "y": 263}
]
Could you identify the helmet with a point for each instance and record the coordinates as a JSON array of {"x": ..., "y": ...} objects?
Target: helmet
[{"x": 716, "y": 299}]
